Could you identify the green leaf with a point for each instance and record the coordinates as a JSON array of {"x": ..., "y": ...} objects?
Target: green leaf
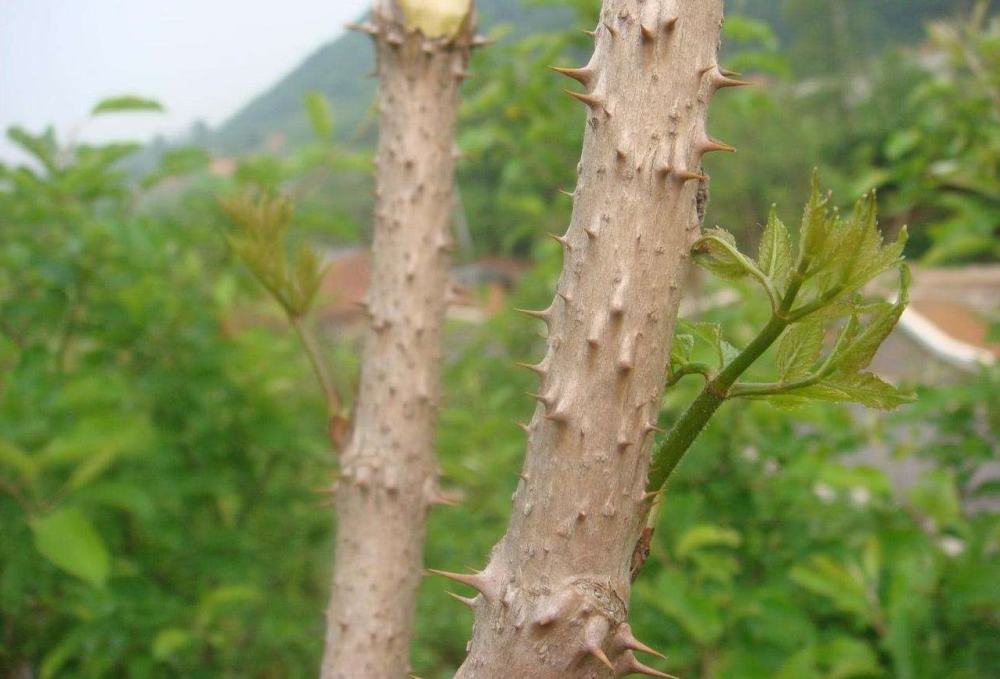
[
  {"x": 717, "y": 252},
  {"x": 849, "y": 658},
  {"x": 126, "y": 104},
  {"x": 14, "y": 457},
  {"x": 936, "y": 496},
  {"x": 859, "y": 353},
  {"x": 680, "y": 350},
  {"x": 178, "y": 162},
  {"x": 816, "y": 222},
  {"x": 169, "y": 641},
  {"x": 42, "y": 148},
  {"x": 320, "y": 115},
  {"x": 775, "y": 255},
  {"x": 705, "y": 535},
  {"x": 845, "y": 588},
  {"x": 709, "y": 333},
  {"x": 864, "y": 388},
  {"x": 68, "y": 539},
  {"x": 799, "y": 349}
]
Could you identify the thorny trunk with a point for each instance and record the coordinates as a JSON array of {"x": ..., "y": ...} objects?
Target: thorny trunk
[
  {"x": 388, "y": 475},
  {"x": 553, "y": 600}
]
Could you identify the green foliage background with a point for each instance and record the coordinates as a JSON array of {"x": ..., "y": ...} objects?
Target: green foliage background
[{"x": 161, "y": 436}]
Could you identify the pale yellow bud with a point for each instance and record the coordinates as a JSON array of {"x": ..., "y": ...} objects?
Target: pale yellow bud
[{"x": 436, "y": 18}]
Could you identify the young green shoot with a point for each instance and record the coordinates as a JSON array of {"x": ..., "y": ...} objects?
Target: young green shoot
[{"x": 812, "y": 292}]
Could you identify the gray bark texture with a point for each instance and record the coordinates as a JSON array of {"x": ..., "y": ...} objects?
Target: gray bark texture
[
  {"x": 553, "y": 599},
  {"x": 388, "y": 474}
]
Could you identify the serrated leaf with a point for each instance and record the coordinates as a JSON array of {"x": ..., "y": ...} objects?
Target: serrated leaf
[
  {"x": 883, "y": 317},
  {"x": 799, "y": 349},
  {"x": 126, "y": 104},
  {"x": 717, "y": 252},
  {"x": 864, "y": 388},
  {"x": 775, "y": 255},
  {"x": 68, "y": 539},
  {"x": 815, "y": 222}
]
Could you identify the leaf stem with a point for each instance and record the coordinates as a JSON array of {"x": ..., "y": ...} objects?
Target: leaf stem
[
  {"x": 311, "y": 347},
  {"x": 702, "y": 369},
  {"x": 715, "y": 392}
]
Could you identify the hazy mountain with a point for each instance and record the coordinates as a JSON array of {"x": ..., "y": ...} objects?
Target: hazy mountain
[{"x": 340, "y": 69}]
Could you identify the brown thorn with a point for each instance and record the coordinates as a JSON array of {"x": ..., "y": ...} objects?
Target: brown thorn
[
  {"x": 628, "y": 640},
  {"x": 582, "y": 75},
  {"x": 647, "y": 33},
  {"x": 533, "y": 367},
  {"x": 636, "y": 667},
  {"x": 562, "y": 240},
  {"x": 602, "y": 656},
  {"x": 611, "y": 29},
  {"x": 688, "y": 175},
  {"x": 722, "y": 81},
  {"x": 468, "y": 601},
  {"x": 588, "y": 99},
  {"x": 541, "y": 315},
  {"x": 716, "y": 145},
  {"x": 474, "y": 581}
]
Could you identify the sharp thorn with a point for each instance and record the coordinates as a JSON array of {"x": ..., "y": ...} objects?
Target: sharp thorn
[
  {"x": 525, "y": 428},
  {"x": 562, "y": 240},
  {"x": 611, "y": 29},
  {"x": 670, "y": 23},
  {"x": 588, "y": 99},
  {"x": 636, "y": 667},
  {"x": 566, "y": 193},
  {"x": 602, "y": 656},
  {"x": 715, "y": 145},
  {"x": 688, "y": 175},
  {"x": 533, "y": 367},
  {"x": 468, "y": 601},
  {"x": 729, "y": 74},
  {"x": 543, "y": 315},
  {"x": 474, "y": 581},
  {"x": 592, "y": 34},
  {"x": 647, "y": 33},
  {"x": 628, "y": 640},
  {"x": 582, "y": 75},
  {"x": 722, "y": 81}
]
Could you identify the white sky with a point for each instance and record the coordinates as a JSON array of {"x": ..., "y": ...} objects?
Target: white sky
[{"x": 200, "y": 58}]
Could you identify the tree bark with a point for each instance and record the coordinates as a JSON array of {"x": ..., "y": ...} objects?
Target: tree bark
[
  {"x": 388, "y": 473},
  {"x": 553, "y": 600}
]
